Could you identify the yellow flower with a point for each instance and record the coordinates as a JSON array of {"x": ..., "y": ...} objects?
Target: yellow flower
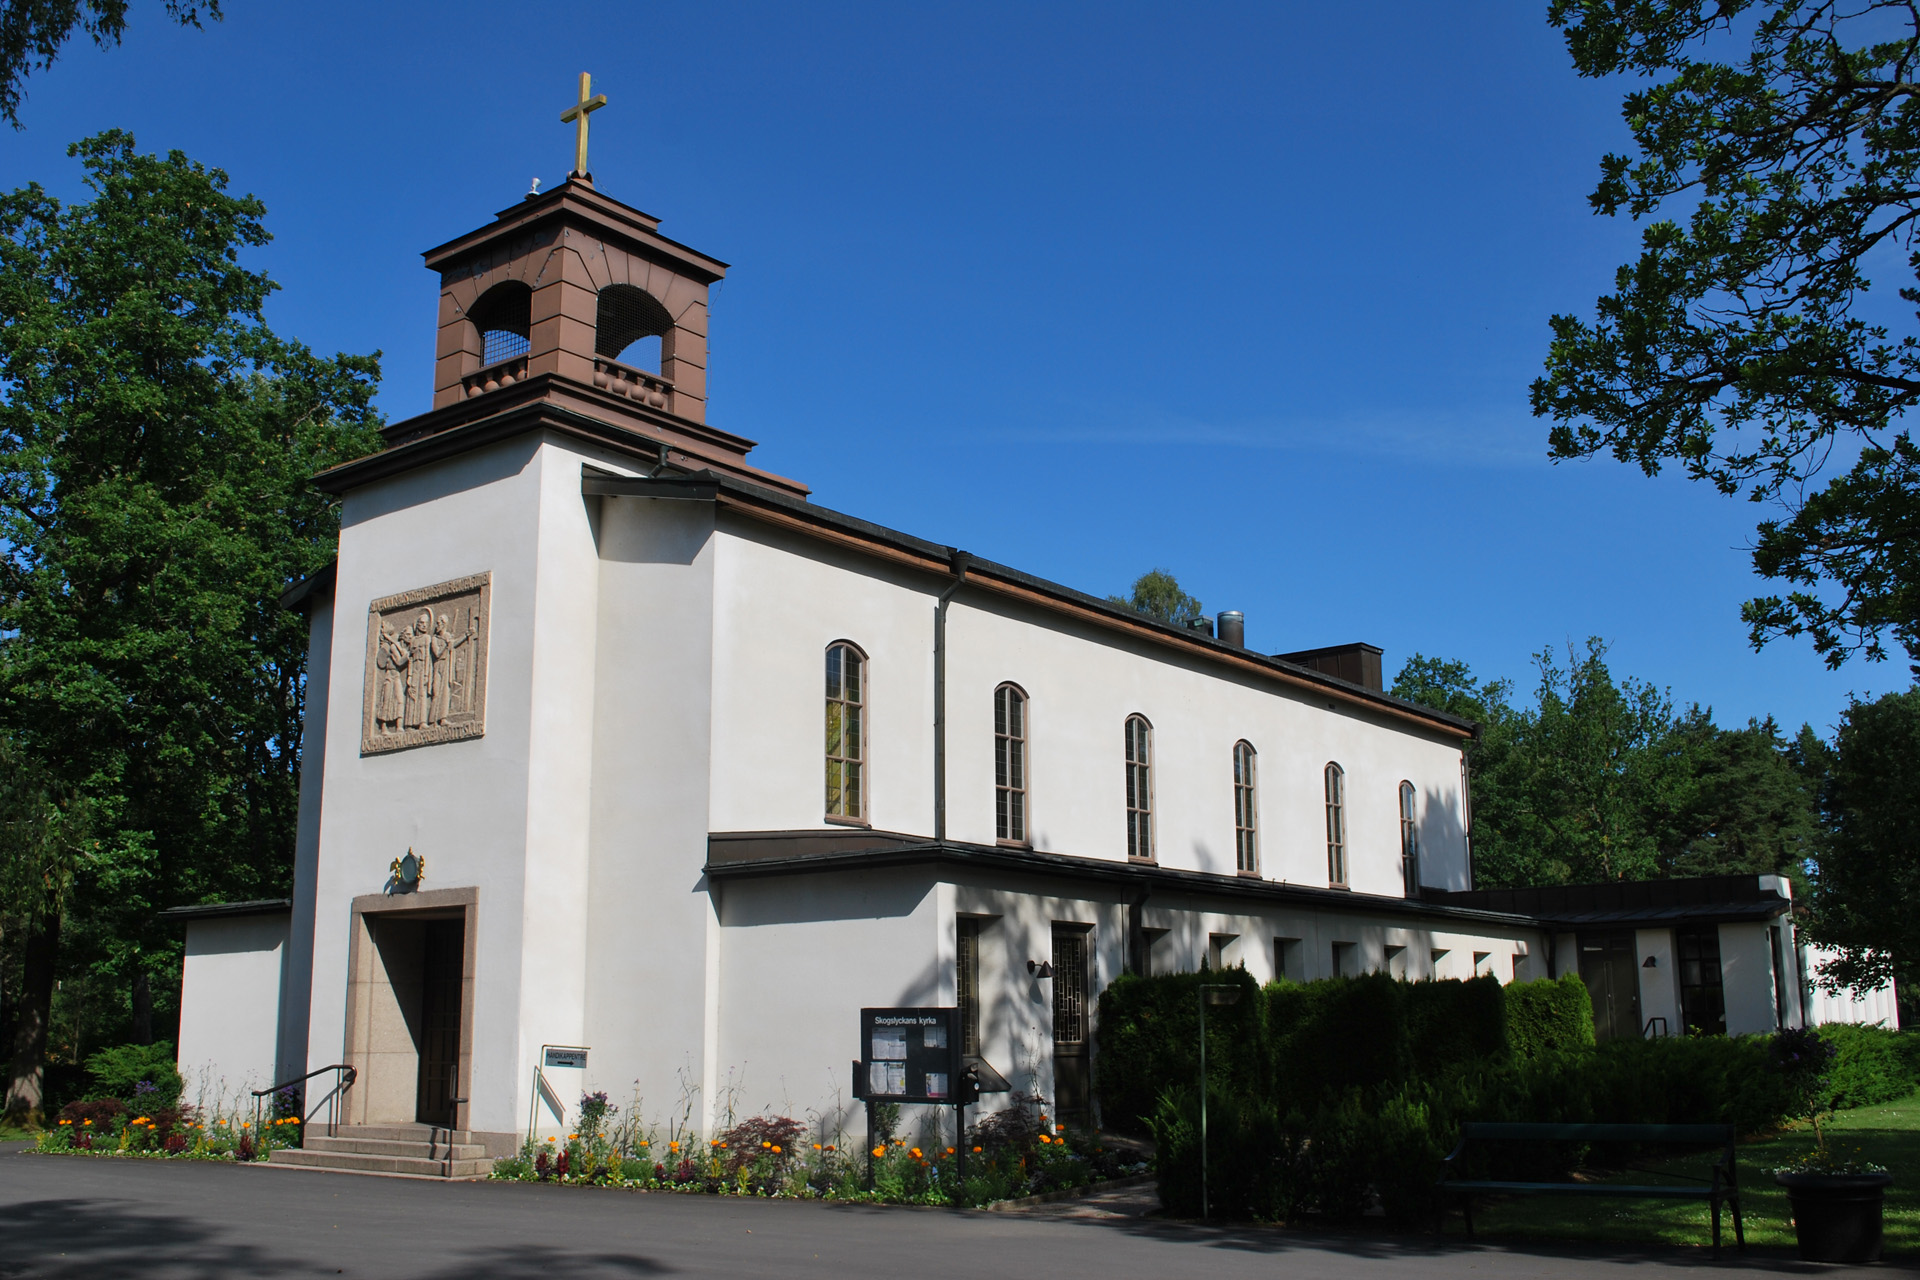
[
  {"x": 573, "y": 1137},
  {"x": 85, "y": 1123},
  {"x": 816, "y": 1146},
  {"x": 673, "y": 1146},
  {"x": 766, "y": 1144}
]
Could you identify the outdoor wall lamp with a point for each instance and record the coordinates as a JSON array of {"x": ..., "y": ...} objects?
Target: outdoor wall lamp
[
  {"x": 1040, "y": 968},
  {"x": 1651, "y": 962}
]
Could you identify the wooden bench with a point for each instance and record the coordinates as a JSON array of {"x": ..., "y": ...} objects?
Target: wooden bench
[{"x": 1723, "y": 1187}]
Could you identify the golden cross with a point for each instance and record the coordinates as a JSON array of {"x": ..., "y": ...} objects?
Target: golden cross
[{"x": 576, "y": 115}]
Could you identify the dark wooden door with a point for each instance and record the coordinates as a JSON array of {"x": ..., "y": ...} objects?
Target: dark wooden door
[
  {"x": 442, "y": 968},
  {"x": 1072, "y": 1075},
  {"x": 1613, "y": 981}
]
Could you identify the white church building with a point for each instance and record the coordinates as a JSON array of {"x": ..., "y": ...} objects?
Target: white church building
[{"x": 692, "y": 769}]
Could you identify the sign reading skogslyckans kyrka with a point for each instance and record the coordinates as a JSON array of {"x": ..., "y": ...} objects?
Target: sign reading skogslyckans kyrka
[
  {"x": 426, "y": 677},
  {"x": 910, "y": 1055}
]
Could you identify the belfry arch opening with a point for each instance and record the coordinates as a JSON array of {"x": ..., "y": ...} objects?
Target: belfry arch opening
[
  {"x": 628, "y": 327},
  {"x": 504, "y": 317}
]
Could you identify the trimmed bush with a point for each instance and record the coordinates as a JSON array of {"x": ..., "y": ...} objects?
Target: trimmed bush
[
  {"x": 141, "y": 1075},
  {"x": 1149, "y": 1041},
  {"x": 1245, "y": 1148},
  {"x": 1871, "y": 1064},
  {"x": 1552, "y": 1015}
]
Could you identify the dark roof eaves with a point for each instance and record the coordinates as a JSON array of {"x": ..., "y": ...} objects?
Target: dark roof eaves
[
  {"x": 208, "y": 910},
  {"x": 911, "y": 851}
]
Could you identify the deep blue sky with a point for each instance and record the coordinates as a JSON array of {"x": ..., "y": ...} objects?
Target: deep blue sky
[{"x": 1253, "y": 292}]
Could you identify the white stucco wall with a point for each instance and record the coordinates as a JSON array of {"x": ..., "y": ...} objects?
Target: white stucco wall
[
  {"x": 507, "y": 813},
  {"x": 1660, "y": 985},
  {"x": 1746, "y": 973},
  {"x": 1878, "y": 1005},
  {"x": 650, "y": 1014},
  {"x": 230, "y": 1006},
  {"x": 297, "y": 992},
  {"x": 780, "y": 600}
]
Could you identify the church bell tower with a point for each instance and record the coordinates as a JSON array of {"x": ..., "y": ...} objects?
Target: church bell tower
[{"x": 572, "y": 308}]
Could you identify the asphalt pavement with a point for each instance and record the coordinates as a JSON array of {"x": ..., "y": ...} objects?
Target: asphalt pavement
[{"x": 104, "y": 1219}]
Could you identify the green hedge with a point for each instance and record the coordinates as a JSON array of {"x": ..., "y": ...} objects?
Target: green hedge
[
  {"x": 1871, "y": 1064},
  {"x": 1149, "y": 1042},
  {"x": 1549, "y": 1016},
  {"x": 1335, "y": 1096}
]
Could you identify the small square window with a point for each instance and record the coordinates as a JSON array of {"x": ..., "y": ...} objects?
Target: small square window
[
  {"x": 1287, "y": 964},
  {"x": 1346, "y": 957}
]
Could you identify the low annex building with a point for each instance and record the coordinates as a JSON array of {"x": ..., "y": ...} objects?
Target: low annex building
[{"x": 617, "y": 741}]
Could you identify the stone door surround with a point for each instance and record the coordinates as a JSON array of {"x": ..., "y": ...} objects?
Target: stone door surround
[{"x": 380, "y": 1042}]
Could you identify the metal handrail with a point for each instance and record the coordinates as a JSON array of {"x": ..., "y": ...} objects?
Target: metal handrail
[
  {"x": 1647, "y": 1033},
  {"x": 330, "y": 1101}
]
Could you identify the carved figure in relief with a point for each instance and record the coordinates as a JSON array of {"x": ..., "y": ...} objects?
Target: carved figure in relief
[
  {"x": 418, "y": 639},
  {"x": 444, "y": 645},
  {"x": 389, "y": 701}
]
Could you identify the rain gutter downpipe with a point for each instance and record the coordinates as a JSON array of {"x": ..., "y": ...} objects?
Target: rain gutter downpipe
[{"x": 958, "y": 562}]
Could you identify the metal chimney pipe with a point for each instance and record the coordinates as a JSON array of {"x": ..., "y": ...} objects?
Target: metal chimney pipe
[{"x": 1233, "y": 628}]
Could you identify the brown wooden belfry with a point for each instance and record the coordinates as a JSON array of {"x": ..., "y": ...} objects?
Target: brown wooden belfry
[{"x": 563, "y": 281}]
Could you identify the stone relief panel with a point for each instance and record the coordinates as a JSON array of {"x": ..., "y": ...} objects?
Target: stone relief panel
[{"x": 426, "y": 676}]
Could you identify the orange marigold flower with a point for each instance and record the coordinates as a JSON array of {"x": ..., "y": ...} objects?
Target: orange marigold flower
[
  {"x": 879, "y": 1151},
  {"x": 977, "y": 1150},
  {"x": 816, "y": 1146},
  {"x": 916, "y": 1153},
  {"x": 776, "y": 1151},
  {"x": 1045, "y": 1138}
]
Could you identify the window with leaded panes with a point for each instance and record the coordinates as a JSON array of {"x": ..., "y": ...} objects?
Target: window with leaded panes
[
  {"x": 1139, "y": 787},
  {"x": 1010, "y": 764},
  {"x": 1409, "y": 840},
  {"x": 1246, "y": 839},
  {"x": 1336, "y": 783},
  {"x": 846, "y": 732}
]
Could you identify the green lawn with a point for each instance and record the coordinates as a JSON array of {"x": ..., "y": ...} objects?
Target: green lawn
[{"x": 1888, "y": 1134}]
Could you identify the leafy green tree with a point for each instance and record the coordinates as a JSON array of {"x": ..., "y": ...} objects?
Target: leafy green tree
[
  {"x": 42, "y": 843},
  {"x": 1600, "y": 778},
  {"x": 1740, "y": 346},
  {"x": 156, "y": 443},
  {"x": 1157, "y": 594},
  {"x": 1866, "y": 878},
  {"x": 1747, "y": 806},
  {"x": 33, "y": 31}
]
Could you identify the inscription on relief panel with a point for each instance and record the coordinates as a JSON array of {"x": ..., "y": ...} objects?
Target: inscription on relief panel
[{"x": 427, "y": 666}]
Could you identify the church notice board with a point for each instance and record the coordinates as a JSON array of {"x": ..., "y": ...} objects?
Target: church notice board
[{"x": 911, "y": 1055}]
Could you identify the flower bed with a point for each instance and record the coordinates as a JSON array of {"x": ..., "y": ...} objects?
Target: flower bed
[
  {"x": 1012, "y": 1153},
  {"x": 105, "y": 1127}
]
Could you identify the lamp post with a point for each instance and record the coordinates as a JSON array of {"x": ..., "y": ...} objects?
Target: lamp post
[{"x": 1215, "y": 993}]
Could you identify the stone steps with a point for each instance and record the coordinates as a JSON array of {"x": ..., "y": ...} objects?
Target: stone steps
[{"x": 396, "y": 1148}]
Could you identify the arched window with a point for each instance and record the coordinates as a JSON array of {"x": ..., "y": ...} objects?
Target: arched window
[
  {"x": 503, "y": 315},
  {"x": 1010, "y": 764},
  {"x": 1246, "y": 838},
  {"x": 1336, "y": 827},
  {"x": 1139, "y": 787},
  {"x": 846, "y": 732},
  {"x": 628, "y": 324},
  {"x": 1409, "y": 841}
]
